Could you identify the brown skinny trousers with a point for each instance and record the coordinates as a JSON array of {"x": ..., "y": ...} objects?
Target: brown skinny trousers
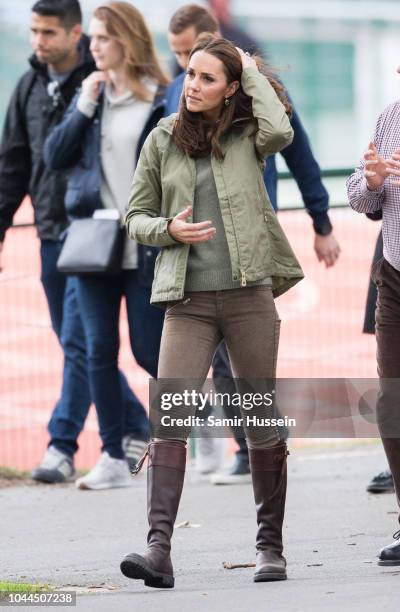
[{"x": 193, "y": 328}]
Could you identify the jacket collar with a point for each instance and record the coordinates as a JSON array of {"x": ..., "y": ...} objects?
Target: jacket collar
[{"x": 167, "y": 123}]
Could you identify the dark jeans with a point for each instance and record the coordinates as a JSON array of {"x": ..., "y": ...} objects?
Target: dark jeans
[
  {"x": 387, "y": 332},
  {"x": 99, "y": 302},
  {"x": 70, "y": 412}
]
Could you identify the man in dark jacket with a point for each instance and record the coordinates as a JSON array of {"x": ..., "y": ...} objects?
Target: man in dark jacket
[
  {"x": 185, "y": 25},
  {"x": 60, "y": 62}
]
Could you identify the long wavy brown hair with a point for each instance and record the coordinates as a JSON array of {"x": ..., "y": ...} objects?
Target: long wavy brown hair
[
  {"x": 125, "y": 24},
  {"x": 197, "y": 137}
]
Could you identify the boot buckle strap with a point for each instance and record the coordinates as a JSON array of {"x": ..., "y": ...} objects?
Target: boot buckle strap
[
  {"x": 135, "y": 470},
  {"x": 281, "y": 456}
]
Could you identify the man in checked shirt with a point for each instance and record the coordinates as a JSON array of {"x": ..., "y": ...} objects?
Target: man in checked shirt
[{"x": 372, "y": 187}]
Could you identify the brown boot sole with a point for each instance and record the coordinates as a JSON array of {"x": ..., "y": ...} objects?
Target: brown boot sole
[{"x": 136, "y": 567}]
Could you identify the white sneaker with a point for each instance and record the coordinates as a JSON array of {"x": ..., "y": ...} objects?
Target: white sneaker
[
  {"x": 108, "y": 473},
  {"x": 133, "y": 449},
  {"x": 237, "y": 473},
  {"x": 209, "y": 454},
  {"x": 55, "y": 466}
]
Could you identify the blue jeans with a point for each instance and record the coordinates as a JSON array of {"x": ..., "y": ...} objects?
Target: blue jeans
[
  {"x": 99, "y": 302},
  {"x": 70, "y": 412}
]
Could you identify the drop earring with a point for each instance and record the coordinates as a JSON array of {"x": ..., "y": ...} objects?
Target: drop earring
[{"x": 227, "y": 101}]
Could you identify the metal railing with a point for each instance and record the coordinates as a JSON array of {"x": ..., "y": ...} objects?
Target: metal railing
[{"x": 283, "y": 175}]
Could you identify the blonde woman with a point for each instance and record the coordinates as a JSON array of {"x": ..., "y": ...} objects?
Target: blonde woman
[{"x": 99, "y": 141}]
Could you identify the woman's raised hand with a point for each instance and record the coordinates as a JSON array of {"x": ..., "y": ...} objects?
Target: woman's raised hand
[
  {"x": 91, "y": 85},
  {"x": 190, "y": 233},
  {"x": 247, "y": 60}
]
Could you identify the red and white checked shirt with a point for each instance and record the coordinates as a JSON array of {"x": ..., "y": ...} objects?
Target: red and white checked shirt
[{"x": 387, "y": 197}]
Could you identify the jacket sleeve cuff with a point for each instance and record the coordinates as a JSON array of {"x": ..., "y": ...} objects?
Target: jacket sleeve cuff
[
  {"x": 151, "y": 232},
  {"x": 253, "y": 83},
  {"x": 86, "y": 106},
  {"x": 249, "y": 72},
  {"x": 322, "y": 224},
  {"x": 165, "y": 236}
]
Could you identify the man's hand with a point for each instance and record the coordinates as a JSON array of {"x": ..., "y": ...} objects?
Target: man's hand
[
  {"x": 327, "y": 249},
  {"x": 393, "y": 167},
  {"x": 375, "y": 169},
  {"x": 190, "y": 233}
]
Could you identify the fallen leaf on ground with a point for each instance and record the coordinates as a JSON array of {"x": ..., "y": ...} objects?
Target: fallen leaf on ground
[{"x": 187, "y": 524}]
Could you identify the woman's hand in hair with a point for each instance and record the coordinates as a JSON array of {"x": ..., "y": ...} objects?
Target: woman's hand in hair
[
  {"x": 91, "y": 85},
  {"x": 247, "y": 60},
  {"x": 190, "y": 233}
]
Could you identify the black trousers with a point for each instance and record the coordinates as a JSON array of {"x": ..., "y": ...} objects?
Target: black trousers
[
  {"x": 387, "y": 280},
  {"x": 370, "y": 306}
]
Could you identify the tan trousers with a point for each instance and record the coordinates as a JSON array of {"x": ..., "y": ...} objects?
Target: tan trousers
[{"x": 248, "y": 321}]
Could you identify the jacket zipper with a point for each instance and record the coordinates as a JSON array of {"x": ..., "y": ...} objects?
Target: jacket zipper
[
  {"x": 188, "y": 245},
  {"x": 243, "y": 280}
]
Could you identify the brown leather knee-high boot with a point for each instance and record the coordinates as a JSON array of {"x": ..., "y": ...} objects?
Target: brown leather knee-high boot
[
  {"x": 269, "y": 475},
  {"x": 165, "y": 475}
]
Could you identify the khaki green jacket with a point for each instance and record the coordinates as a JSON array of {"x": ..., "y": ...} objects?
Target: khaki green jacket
[{"x": 164, "y": 184}]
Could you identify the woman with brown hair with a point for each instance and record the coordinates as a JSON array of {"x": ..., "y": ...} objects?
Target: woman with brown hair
[
  {"x": 198, "y": 193},
  {"x": 100, "y": 140}
]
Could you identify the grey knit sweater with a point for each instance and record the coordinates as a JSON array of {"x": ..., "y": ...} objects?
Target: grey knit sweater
[{"x": 209, "y": 265}]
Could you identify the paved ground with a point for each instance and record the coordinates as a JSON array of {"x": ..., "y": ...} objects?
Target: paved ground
[{"x": 76, "y": 539}]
